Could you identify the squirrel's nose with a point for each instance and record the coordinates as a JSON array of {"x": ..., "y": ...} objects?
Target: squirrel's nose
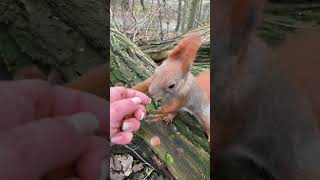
[{"x": 153, "y": 92}]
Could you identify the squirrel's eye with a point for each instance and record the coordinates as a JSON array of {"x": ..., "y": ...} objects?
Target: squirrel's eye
[{"x": 171, "y": 86}]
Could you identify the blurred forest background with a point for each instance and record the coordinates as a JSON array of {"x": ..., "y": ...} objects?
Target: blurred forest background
[{"x": 154, "y": 20}]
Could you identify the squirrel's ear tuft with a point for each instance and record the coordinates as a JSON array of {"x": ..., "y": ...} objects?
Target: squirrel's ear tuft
[{"x": 186, "y": 50}]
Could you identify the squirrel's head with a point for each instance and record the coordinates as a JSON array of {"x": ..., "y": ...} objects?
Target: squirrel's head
[{"x": 169, "y": 79}]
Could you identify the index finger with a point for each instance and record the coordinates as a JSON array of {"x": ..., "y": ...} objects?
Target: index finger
[
  {"x": 118, "y": 93},
  {"x": 45, "y": 100}
]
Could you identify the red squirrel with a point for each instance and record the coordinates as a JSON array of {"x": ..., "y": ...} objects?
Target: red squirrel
[
  {"x": 173, "y": 82},
  {"x": 266, "y": 101}
]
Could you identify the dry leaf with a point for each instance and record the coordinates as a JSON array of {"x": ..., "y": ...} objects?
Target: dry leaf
[
  {"x": 137, "y": 167},
  {"x": 116, "y": 176},
  {"x": 127, "y": 163},
  {"x": 117, "y": 162}
]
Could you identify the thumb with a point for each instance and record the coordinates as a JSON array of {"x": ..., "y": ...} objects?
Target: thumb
[
  {"x": 40, "y": 146},
  {"x": 120, "y": 109}
]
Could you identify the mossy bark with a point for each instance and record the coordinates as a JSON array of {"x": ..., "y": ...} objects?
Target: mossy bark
[{"x": 184, "y": 148}]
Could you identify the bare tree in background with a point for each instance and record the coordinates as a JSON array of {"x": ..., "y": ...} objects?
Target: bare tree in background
[
  {"x": 142, "y": 4},
  {"x": 125, "y": 6},
  {"x": 114, "y": 6},
  {"x": 179, "y": 16},
  {"x": 184, "y": 18},
  {"x": 152, "y": 2},
  {"x": 199, "y": 11},
  {"x": 192, "y": 14},
  {"x": 160, "y": 20},
  {"x": 154, "y": 20},
  {"x": 132, "y": 13}
]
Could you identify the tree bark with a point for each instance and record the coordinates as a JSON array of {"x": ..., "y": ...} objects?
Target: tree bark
[
  {"x": 67, "y": 35},
  {"x": 184, "y": 148},
  {"x": 192, "y": 16},
  {"x": 179, "y": 16},
  {"x": 184, "y": 19},
  {"x": 159, "y": 51},
  {"x": 199, "y": 11},
  {"x": 142, "y": 5},
  {"x": 160, "y": 21}
]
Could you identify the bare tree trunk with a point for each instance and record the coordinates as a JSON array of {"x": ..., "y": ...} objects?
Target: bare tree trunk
[
  {"x": 199, "y": 11},
  {"x": 152, "y": 2},
  {"x": 123, "y": 18},
  {"x": 142, "y": 4},
  {"x": 160, "y": 21},
  {"x": 114, "y": 7},
  {"x": 192, "y": 14},
  {"x": 125, "y": 8},
  {"x": 132, "y": 13},
  {"x": 167, "y": 15},
  {"x": 184, "y": 19},
  {"x": 179, "y": 16}
]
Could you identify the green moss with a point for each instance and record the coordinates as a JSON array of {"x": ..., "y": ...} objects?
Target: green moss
[{"x": 168, "y": 158}]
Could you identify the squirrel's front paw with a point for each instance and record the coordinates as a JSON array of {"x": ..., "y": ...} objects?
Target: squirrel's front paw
[
  {"x": 155, "y": 117},
  {"x": 169, "y": 118}
]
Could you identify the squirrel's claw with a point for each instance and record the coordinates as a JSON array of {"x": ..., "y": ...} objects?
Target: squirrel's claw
[{"x": 169, "y": 118}]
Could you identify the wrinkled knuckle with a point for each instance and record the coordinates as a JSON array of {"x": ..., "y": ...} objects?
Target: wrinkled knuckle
[{"x": 114, "y": 109}]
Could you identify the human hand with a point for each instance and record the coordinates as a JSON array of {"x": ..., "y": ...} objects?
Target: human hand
[
  {"x": 126, "y": 111},
  {"x": 41, "y": 130}
]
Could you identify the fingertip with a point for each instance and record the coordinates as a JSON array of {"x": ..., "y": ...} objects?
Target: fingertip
[
  {"x": 131, "y": 124},
  {"x": 122, "y": 138},
  {"x": 136, "y": 100},
  {"x": 144, "y": 98},
  {"x": 140, "y": 113}
]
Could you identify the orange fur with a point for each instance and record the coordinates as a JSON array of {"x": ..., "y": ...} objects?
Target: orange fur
[
  {"x": 143, "y": 86},
  {"x": 202, "y": 79},
  {"x": 171, "y": 106},
  {"x": 186, "y": 50}
]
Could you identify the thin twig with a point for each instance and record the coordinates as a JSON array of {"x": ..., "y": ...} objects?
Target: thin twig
[
  {"x": 139, "y": 156},
  {"x": 149, "y": 173}
]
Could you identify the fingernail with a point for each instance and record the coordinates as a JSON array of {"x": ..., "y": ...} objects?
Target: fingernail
[
  {"x": 142, "y": 115},
  {"x": 84, "y": 122},
  {"x": 116, "y": 139},
  {"x": 136, "y": 100},
  {"x": 103, "y": 170},
  {"x": 125, "y": 126}
]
